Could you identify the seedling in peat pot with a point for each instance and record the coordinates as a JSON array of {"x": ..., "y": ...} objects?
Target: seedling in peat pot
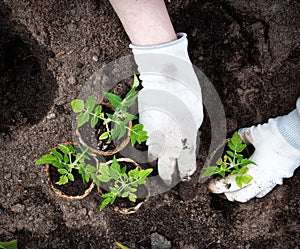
[
  {"x": 116, "y": 124},
  {"x": 233, "y": 162},
  {"x": 66, "y": 159},
  {"x": 124, "y": 184}
]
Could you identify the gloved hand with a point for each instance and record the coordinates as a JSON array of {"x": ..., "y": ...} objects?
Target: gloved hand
[
  {"x": 170, "y": 106},
  {"x": 277, "y": 155}
]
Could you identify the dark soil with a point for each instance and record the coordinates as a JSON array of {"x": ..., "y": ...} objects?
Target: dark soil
[
  {"x": 72, "y": 188},
  {"x": 48, "y": 49}
]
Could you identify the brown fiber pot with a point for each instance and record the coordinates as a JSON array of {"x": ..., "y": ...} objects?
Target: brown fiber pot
[
  {"x": 134, "y": 209},
  {"x": 97, "y": 151},
  {"x": 58, "y": 192}
]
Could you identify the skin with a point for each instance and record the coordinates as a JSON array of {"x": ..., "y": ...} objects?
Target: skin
[{"x": 146, "y": 22}]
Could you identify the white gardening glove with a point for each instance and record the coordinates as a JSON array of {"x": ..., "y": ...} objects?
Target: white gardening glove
[
  {"x": 277, "y": 155},
  {"x": 170, "y": 106}
]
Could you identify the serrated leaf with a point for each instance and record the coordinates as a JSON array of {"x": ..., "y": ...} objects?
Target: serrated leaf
[
  {"x": 143, "y": 174},
  {"x": 240, "y": 147},
  {"x": 125, "y": 194},
  {"x": 91, "y": 168},
  {"x": 71, "y": 177},
  {"x": 246, "y": 179},
  {"x": 104, "y": 203},
  {"x": 239, "y": 181},
  {"x": 62, "y": 180},
  {"x": 90, "y": 103},
  {"x": 137, "y": 134},
  {"x": 132, "y": 197},
  {"x": 230, "y": 153},
  {"x": 94, "y": 121},
  {"x": 64, "y": 148},
  {"x": 211, "y": 170},
  {"x": 77, "y": 105},
  {"x": 57, "y": 154},
  {"x": 46, "y": 159},
  {"x": 62, "y": 171},
  {"x": 98, "y": 110},
  {"x": 83, "y": 118},
  {"x": 243, "y": 170},
  {"x": 114, "y": 99},
  {"x": 134, "y": 173}
]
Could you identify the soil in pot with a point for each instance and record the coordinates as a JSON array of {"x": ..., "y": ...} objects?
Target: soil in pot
[
  {"x": 124, "y": 205},
  {"x": 74, "y": 190},
  {"x": 89, "y": 137}
]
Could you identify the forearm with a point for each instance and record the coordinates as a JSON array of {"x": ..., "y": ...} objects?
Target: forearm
[{"x": 146, "y": 22}]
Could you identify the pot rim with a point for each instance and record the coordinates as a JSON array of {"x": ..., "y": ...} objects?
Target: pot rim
[{"x": 58, "y": 192}]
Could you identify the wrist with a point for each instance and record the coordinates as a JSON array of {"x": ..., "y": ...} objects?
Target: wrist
[{"x": 289, "y": 126}]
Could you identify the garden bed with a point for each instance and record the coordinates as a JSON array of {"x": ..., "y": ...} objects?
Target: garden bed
[{"x": 249, "y": 51}]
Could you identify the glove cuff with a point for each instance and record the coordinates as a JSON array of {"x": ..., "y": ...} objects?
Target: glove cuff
[
  {"x": 177, "y": 48},
  {"x": 289, "y": 126}
]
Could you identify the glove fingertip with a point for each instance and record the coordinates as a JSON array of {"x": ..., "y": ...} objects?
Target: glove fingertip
[
  {"x": 219, "y": 186},
  {"x": 246, "y": 135}
]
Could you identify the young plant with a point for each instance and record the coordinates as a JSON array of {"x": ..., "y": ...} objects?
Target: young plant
[
  {"x": 66, "y": 159},
  {"x": 125, "y": 183},
  {"x": 233, "y": 163},
  {"x": 119, "y": 120},
  {"x": 13, "y": 244}
]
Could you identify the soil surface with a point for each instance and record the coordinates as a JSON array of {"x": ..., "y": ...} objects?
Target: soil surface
[{"x": 48, "y": 49}]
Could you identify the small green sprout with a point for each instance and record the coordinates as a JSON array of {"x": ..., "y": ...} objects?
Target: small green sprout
[
  {"x": 121, "y": 245},
  {"x": 66, "y": 159},
  {"x": 119, "y": 120},
  {"x": 13, "y": 244},
  {"x": 233, "y": 162},
  {"x": 125, "y": 183}
]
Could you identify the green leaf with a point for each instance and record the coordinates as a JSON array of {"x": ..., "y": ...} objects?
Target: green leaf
[
  {"x": 122, "y": 131},
  {"x": 98, "y": 110},
  {"x": 104, "y": 203},
  {"x": 77, "y": 105},
  {"x": 239, "y": 181},
  {"x": 57, "y": 154},
  {"x": 62, "y": 180},
  {"x": 90, "y": 103},
  {"x": 246, "y": 179},
  {"x": 64, "y": 148},
  {"x": 230, "y": 153},
  {"x": 137, "y": 134},
  {"x": 46, "y": 159},
  {"x": 219, "y": 161},
  {"x": 62, "y": 171},
  {"x": 211, "y": 170},
  {"x": 143, "y": 174},
  {"x": 121, "y": 246},
  {"x": 83, "y": 118},
  {"x": 104, "y": 135},
  {"x": 134, "y": 173},
  {"x": 116, "y": 131},
  {"x": 71, "y": 177},
  {"x": 240, "y": 147},
  {"x": 243, "y": 170},
  {"x": 94, "y": 121},
  {"x": 125, "y": 194},
  {"x": 114, "y": 99},
  {"x": 91, "y": 168},
  {"x": 13, "y": 244},
  {"x": 135, "y": 82},
  {"x": 104, "y": 174},
  {"x": 132, "y": 197}
]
